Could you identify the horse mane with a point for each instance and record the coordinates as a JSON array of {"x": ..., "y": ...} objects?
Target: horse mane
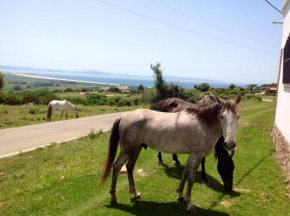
[
  {"x": 207, "y": 113},
  {"x": 230, "y": 105},
  {"x": 210, "y": 113}
]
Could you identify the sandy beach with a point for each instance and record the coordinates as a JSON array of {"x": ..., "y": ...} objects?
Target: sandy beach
[{"x": 52, "y": 78}]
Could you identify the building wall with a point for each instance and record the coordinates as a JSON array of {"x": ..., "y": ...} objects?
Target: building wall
[{"x": 282, "y": 118}]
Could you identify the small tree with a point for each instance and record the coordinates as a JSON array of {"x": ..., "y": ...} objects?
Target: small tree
[
  {"x": 2, "y": 82},
  {"x": 204, "y": 87},
  {"x": 17, "y": 88},
  {"x": 232, "y": 86},
  {"x": 159, "y": 82},
  {"x": 141, "y": 88}
]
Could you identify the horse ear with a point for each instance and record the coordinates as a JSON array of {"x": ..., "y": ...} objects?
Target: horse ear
[
  {"x": 238, "y": 99},
  {"x": 219, "y": 100}
]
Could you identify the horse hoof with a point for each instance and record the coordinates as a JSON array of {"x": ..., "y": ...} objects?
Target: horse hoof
[
  {"x": 191, "y": 210},
  {"x": 177, "y": 164},
  {"x": 114, "y": 201},
  {"x": 160, "y": 163},
  {"x": 138, "y": 196},
  {"x": 180, "y": 199},
  {"x": 205, "y": 183}
]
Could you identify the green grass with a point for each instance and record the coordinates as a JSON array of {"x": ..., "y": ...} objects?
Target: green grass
[
  {"x": 22, "y": 115},
  {"x": 62, "y": 179}
]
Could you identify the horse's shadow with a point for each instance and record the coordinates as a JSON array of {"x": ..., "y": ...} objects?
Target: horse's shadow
[
  {"x": 214, "y": 184},
  {"x": 145, "y": 208}
]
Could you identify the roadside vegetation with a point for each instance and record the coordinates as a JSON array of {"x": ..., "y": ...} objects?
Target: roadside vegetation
[
  {"x": 29, "y": 105},
  {"x": 62, "y": 179}
]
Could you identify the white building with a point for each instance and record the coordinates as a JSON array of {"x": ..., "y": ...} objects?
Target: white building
[{"x": 281, "y": 130}]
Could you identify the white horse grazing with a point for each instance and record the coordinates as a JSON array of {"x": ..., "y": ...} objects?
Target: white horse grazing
[{"x": 60, "y": 106}]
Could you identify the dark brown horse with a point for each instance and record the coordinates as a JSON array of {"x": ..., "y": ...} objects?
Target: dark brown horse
[{"x": 225, "y": 164}]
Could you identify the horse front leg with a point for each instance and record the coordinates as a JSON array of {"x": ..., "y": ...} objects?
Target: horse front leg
[
  {"x": 192, "y": 166},
  {"x": 180, "y": 188},
  {"x": 203, "y": 173},
  {"x": 177, "y": 162},
  {"x": 160, "y": 162},
  {"x": 61, "y": 115}
]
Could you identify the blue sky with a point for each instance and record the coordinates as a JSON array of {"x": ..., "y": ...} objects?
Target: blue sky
[{"x": 83, "y": 35}]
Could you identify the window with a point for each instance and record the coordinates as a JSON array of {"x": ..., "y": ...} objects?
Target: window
[{"x": 286, "y": 62}]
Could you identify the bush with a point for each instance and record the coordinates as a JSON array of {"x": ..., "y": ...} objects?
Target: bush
[
  {"x": 12, "y": 99},
  {"x": 204, "y": 87},
  {"x": 68, "y": 90},
  {"x": 125, "y": 102},
  {"x": 33, "y": 110},
  {"x": 17, "y": 88},
  {"x": 35, "y": 97},
  {"x": 95, "y": 96},
  {"x": 253, "y": 97}
]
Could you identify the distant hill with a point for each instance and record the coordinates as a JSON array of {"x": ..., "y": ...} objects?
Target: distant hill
[
  {"x": 105, "y": 77},
  {"x": 50, "y": 70}
]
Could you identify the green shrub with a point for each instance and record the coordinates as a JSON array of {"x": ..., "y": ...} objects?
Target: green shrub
[
  {"x": 12, "y": 99},
  {"x": 91, "y": 134},
  {"x": 33, "y": 110},
  {"x": 95, "y": 96}
]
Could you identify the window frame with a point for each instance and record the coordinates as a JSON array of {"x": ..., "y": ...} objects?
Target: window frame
[{"x": 286, "y": 63}]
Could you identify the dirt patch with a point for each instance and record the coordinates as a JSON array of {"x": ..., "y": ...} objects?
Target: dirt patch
[
  {"x": 267, "y": 100},
  {"x": 141, "y": 172},
  {"x": 241, "y": 190},
  {"x": 226, "y": 203}
]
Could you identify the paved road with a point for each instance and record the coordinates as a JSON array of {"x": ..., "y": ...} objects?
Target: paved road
[{"x": 27, "y": 138}]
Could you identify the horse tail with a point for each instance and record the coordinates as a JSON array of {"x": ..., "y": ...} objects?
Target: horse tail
[
  {"x": 48, "y": 114},
  {"x": 114, "y": 140}
]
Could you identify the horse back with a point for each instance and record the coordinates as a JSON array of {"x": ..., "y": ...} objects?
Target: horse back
[
  {"x": 175, "y": 105},
  {"x": 164, "y": 132}
]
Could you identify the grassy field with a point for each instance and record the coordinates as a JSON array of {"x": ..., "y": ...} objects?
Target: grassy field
[
  {"x": 15, "y": 116},
  {"x": 62, "y": 179}
]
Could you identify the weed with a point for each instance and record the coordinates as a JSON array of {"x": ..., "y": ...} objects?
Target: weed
[
  {"x": 91, "y": 134},
  {"x": 33, "y": 110}
]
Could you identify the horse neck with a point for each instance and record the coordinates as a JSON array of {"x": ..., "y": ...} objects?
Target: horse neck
[{"x": 70, "y": 106}]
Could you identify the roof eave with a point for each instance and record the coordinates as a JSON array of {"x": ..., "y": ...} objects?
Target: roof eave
[{"x": 285, "y": 4}]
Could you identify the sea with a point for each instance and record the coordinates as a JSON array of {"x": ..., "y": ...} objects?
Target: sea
[{"x": 129, "y": 80}]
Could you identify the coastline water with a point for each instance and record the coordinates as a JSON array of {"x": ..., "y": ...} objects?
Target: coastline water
[{"x": 187, "y": 83}]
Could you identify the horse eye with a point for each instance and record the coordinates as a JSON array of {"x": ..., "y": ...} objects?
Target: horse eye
[{"x": 222, "y": 117}]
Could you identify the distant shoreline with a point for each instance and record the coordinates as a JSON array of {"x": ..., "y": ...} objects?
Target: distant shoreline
[{"x": 51, "y": 78}]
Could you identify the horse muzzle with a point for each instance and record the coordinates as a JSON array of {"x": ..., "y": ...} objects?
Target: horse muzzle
[
  {"x": 228, "y": 186},
  {"x": 229, "y": 146}
]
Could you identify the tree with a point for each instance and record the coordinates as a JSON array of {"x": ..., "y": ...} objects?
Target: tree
[
  {"x": 204, "y": 87},
  {"x": 2, "y": 82},
  {"x": 159, "y": 82},
  {"x": 141, "y": 88},
  {"x": 17, "y": 88},
  {"x": 232, "y": 86}
]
